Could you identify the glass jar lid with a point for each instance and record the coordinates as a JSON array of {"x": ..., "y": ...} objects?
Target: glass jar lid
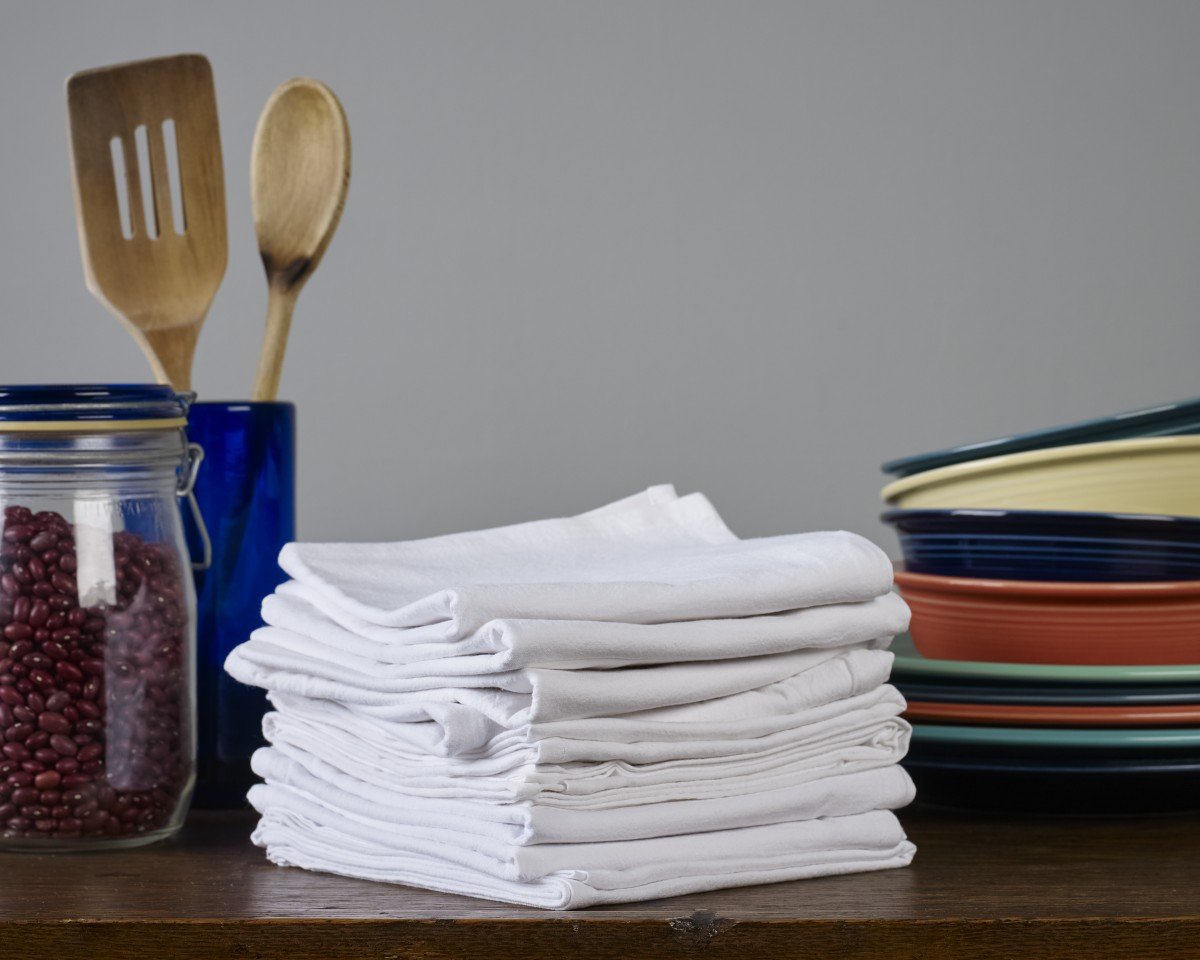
[{"x": 92, "y": 406}]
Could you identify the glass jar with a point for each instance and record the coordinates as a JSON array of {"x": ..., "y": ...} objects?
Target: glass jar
[{"x": 97, "y": 616}]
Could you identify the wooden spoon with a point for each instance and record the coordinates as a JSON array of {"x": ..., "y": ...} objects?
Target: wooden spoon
[
  {"x": 156, "y": 271},
  {"x": 299, "y": 173}
]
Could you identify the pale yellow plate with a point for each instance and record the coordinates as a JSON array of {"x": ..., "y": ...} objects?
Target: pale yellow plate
[{"x": 1156, "y": 475}]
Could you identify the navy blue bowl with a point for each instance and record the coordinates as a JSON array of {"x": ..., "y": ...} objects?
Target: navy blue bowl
[
  {"x": 1058, "y": 786},
  {"x": 1075, "y": 695},
  {"x": 1048, "y": 545},
  {"x": 1166, "y": 420}
]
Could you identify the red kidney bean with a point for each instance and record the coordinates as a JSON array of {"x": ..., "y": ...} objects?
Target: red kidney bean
[
  {"x": 15, "y": 751},
  {"x": 24, "y": 796},
  {"x": 19, "y": 732},
  {"x": 71, "y": 673},
  {"x": 43, "y": 541},
  {"x": 39, "y": 611},
  {"x": 47, "y": 780},
  {"x": 42, "y": 679},
  {"x": 64, "y": 745},
  {"x": 54, "y": 722}
]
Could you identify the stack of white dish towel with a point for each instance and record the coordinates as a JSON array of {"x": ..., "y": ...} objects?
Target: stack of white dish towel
[{"x": 627, "y": 704}]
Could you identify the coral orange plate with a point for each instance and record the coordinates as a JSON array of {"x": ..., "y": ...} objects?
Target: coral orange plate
[
  {"x": 1032, "y": 715},
  {"x": 1020, "y": 621}
]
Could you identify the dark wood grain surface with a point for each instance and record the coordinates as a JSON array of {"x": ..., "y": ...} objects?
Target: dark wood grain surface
[{"x": 981, "y": 887}]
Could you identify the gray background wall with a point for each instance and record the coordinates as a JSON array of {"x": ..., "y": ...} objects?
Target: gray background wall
[{"x": 752, "y": 248}]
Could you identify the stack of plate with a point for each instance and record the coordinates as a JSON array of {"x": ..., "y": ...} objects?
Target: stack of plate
[{"x": 1054, "y": 579}]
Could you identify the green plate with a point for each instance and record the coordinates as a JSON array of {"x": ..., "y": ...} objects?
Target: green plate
[
  {"x": 1057, "y": 736},
  {"x": 910, "y": 664}
]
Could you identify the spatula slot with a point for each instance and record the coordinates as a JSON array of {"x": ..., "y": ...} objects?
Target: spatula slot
[
  {"x": 171, "y": 148},
  {"x": 150, "y": 200},
  {"x": 120, "y": 182}
]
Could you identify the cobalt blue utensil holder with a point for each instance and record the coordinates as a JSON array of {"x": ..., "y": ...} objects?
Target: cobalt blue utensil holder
[{"x": 246, "y": 490}]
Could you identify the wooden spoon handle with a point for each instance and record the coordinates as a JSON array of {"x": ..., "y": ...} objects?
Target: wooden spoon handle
[{"x": 280, "y": 304}]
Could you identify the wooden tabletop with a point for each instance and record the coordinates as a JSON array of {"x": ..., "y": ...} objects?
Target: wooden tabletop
[{"x": 980, "y": 888}]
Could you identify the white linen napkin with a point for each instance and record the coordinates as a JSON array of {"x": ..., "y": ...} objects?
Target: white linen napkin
[
  {"x": 639, "y": 561},
  {"x": 859, "y": 739},
  {"x": 503, "y": 645},
  {"x": 849, "y": 680},
  {"x": 401, "y": 818},
  {"x": 280, "y": 660},
  {"x": 314, "y": 839},
  {"x": 459, "y": 721}
]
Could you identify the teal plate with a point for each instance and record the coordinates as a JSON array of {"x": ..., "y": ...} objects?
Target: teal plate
[
  {"x": 1166, "y": 420},
  {"x": 1144, "y": 737},
  {"x": 909, "y": 664}
]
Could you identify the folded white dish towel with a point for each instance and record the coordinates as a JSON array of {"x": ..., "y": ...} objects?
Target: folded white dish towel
[
  {"x": 458, "y": 721},
  {"x": 444, "y": 728},
  {"x": 504, "y": 645},
  {"x": 860, "y": 733},
  {"x": 654, "y": 558},
  {"x": 307, "y": 836},
  {"x": 886, "y": 788},
  {"x": 280, "y": 660}
]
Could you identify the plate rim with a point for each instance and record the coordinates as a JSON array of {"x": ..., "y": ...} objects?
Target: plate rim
[
  {"x": 1025, "y": 458},
  {"x": 905, "y": 664},
  {"x": 1162, "y": 414},
  {"x": 1149, "y": 737}
]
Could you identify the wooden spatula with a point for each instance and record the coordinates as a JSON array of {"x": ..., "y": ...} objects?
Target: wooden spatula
[{"x": 154, "y": 243}]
